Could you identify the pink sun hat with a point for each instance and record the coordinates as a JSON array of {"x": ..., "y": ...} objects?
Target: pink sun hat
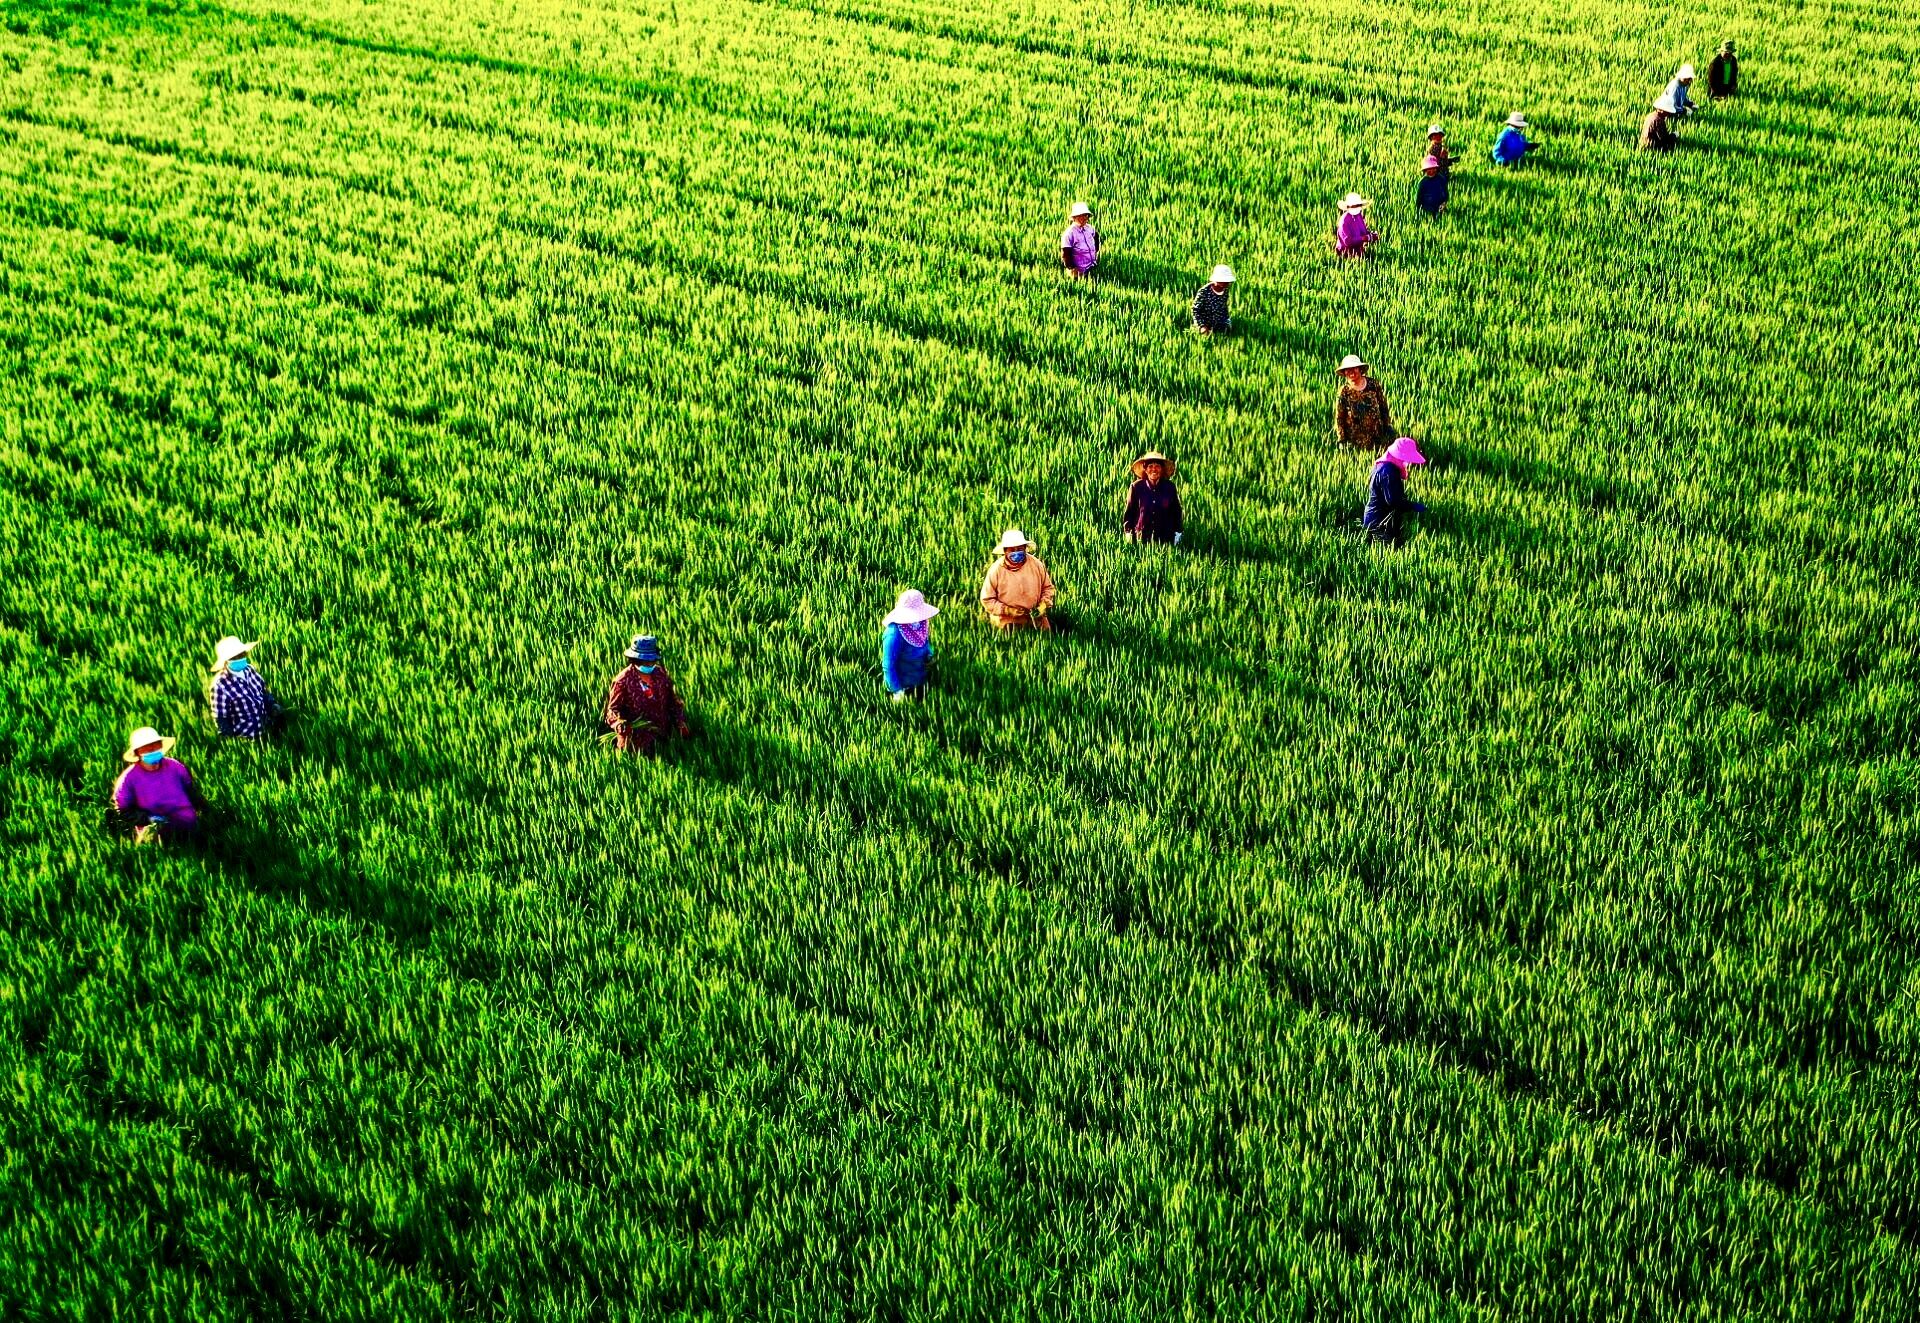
[
  {"x": 911, "y": 609},
  {"x": 1404, "y": 451},
  {"x": 1431, "y": 163}
]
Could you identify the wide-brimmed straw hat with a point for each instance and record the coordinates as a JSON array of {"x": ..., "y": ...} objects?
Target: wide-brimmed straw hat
[
  {"x": 1354, "y": 202},
  {"x": 230, "y": 647},
  {"x": 1080, "y": 209},
  {"x": 1516, "y": 120},
  {"x": 1352, "y": 361},
  {"x": 1435, "y": 131},
  {"x": 1152, "y": 457},
  {"x": 1013, "y": 540},
  {"x": 1686, "y": 73},
  {"x": 912, "y": 608},
  {"x": 1222, "y": 275},
  {"x": 141, "y": 738},
  {"x": 645, "y": 647}
]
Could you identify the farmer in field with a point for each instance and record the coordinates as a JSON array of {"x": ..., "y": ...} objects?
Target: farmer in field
[
  {"x": 243, "y": 706},
  {"x": 906, "y": 651},
  {"x": 1153, "y": 506},
  {"x": 155, "y": 796},
  {"x": 1678, "y": 92},
  {"x": 1360, "y": 416},
  {"x": 1723, "y": 73},
  {"x": 1656, "y": 130},
  {"x": 642, "y": 706},
  {"x": 1512, "y": 143},
  {"x": 1018, "y": 591},
  {"x": 1432, "y": 195},
  {"x": 1437, "y": 149},
  {"x": 1389, "y": 509},
  {"x": 1351, "y": 236},
  {"x": 1080, "y": 244},
  {"x": 1210, "y": 316}
]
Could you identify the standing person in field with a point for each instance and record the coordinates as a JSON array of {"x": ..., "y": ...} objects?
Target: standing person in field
[
  {"x": 906, "y": 650},
  {"x": 156, "y": 795},
  {"x": 1018, "y": 591},
  {"x": 1351, "y": 237},
  {"x": 1656, "y": 130},
  {"x": 1437, "y": 149},
  {"x": 1679, "y": 91},
  {"x": 642, "y": 706},
  {"x": 1389, "y": 509},
  {"x": 1360, "y": 416},
  {"x": 1153, "y": 506},
  {"x": 1432, "y": 196},
  {"x": 1723, "y": 73},
  {"x": 1080, "y": 244},
  {"x": 1512, "y": 144},
  {"x": 1210, "y": 312},
  {"x": 243, "y": 707}
]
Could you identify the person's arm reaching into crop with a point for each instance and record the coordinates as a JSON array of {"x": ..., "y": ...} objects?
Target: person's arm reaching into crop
[
  {"x": 1130, "y": 521},
  {"x": 1174, "y": 513},
  {"x": 890, "y": 646},
  {"x": 1342, "y": 418},
  {"x": 990, "y": 593}
]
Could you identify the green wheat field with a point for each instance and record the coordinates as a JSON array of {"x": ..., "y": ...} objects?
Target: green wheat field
[{"x": 1520, "y": 925}]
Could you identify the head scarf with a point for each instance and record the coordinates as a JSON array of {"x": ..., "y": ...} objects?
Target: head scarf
[{"x": 914, "y": 636}]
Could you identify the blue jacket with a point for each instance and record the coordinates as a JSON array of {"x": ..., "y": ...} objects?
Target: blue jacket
[
  {"x": 1510, "y": 146},
  {"x": 1433, "y": 194},
  {"x": 905, "y": 666},
  {"x": 1387, "y": 497}
]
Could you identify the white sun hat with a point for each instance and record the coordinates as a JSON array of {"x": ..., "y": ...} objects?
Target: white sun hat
[
  {"x": 1516, "y": 120},
  {"x": 1013, "y": 539},
  {"x": 1354, "y": 202},
  {"x": 1080, "y": 209},
  {"x": 1223, "y": 274},
  {"x": 140, "y": 739},
  {"x": 1686, "y": 73},
  {"x": 912, "y": 609},
  {"x": 1352, "y": 361},
  {"x": 230, "y": 647},
  {"x": 1435, "y": 128},
  {"x": 1665, "y": 105}
]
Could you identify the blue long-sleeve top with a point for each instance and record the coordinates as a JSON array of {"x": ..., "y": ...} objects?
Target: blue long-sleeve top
[
  {"x": 1510, "y": 146},
  {"x": 1387, "y": 494},
  {"x": 905, "y": 665},
  {"x": 1433, "y": 193}
]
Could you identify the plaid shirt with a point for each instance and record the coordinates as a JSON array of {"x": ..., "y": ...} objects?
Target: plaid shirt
[
  {"x": 242, "y": 705},
  {"x": 1210, "y": 310}
]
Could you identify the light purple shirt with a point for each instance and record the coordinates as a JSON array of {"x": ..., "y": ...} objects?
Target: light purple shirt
[
  {"x": 1352, "y": 232},
  {"x": 1084, "y": 243},
  {"x": 162, "y": 790}
]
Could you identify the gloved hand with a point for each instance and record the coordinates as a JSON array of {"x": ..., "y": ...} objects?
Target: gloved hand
[
  {"x": 1419, "y": 508},
  {"x": 1176, "y": 539},
  {"x": 899, "y": 694}
]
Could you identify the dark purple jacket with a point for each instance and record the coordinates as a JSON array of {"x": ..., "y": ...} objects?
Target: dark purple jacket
[{"x": 1152, "y": 512}]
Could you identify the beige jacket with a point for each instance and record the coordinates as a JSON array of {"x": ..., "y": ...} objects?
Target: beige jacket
[{"x": 1011, "y": 592}]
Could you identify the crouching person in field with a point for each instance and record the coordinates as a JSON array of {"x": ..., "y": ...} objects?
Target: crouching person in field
[
  {"x": 243, "y": 707},
  {"x": 1351, "y": 234},
  {"x": 906, "y": 650},
  {"x": 1210, "y": 311},
  {"x": 1656, "y": 130},
  {"x": 642, "y": 706},
  {"x": 156, "y": 797},
  {"x": 1018, "y": 591},
  {"x": 1389, "y": 509}
]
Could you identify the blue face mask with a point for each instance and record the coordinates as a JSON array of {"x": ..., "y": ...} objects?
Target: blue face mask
[
  {"x": 237, "y": 665},
  {"x": 153, "y": 759},
  {"x": 1016, "y": 558},
  {"x": 648, "y": 668}
]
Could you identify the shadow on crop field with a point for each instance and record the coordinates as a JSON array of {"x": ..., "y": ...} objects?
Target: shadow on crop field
[
  {"x": 1585, "y": 493},
  {"x": 1141, "y": 273}
]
